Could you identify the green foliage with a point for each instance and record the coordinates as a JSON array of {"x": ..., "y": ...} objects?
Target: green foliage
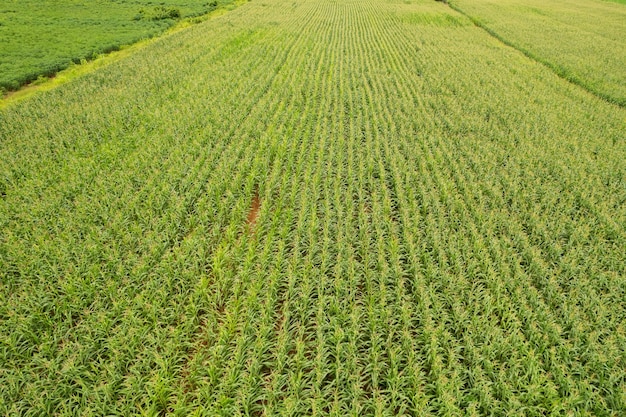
[
  {"x": 43, "y": 37},
  {"x": 158, "y": 13},
  {"x": 314, "y": 209},
  {"x": 564, "y": 36},
  {"x": 436, "y": 19}
]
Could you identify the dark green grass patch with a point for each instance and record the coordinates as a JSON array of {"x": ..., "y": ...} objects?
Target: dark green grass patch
[{"x": 40, "y": 38}]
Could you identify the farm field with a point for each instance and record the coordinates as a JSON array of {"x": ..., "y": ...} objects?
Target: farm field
[
  {"x": 40, "y": 38},
  {"x": 582, "y": 40},
  {"x": 315, "y": 207}
]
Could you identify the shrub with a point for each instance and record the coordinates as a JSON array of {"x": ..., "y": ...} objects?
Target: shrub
[
  {"x": 158, "y": 13},
  {"x": 162, "y": 12}
]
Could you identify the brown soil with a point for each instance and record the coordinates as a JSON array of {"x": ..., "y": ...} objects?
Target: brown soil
[{"x": 253, "y": 213}]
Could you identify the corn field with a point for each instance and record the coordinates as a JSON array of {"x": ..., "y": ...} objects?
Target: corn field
[
  {"x": 315, "y": 207},
  {"x": 581, "y": 40}
]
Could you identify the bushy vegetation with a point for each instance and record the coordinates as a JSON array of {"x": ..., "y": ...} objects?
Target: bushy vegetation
[
  {"x": 158, "y": 13},
  {"x": 581, "y": 40},
  {"x": 315, "y": 208},
  {"x": 42, "y": 37}
]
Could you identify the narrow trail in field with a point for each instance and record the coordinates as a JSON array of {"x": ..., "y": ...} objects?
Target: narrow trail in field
[
  {"x": 253, "y": 213},
  {"x": 557, "y": 70}
]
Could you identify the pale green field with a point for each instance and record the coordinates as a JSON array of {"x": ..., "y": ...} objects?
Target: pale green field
[
  {"x": 440, "y": 230},
  {"x": 582, "y": 40}
]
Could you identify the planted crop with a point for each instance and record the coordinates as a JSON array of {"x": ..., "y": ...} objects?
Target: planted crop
[{"x": 315, "y": 208}]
